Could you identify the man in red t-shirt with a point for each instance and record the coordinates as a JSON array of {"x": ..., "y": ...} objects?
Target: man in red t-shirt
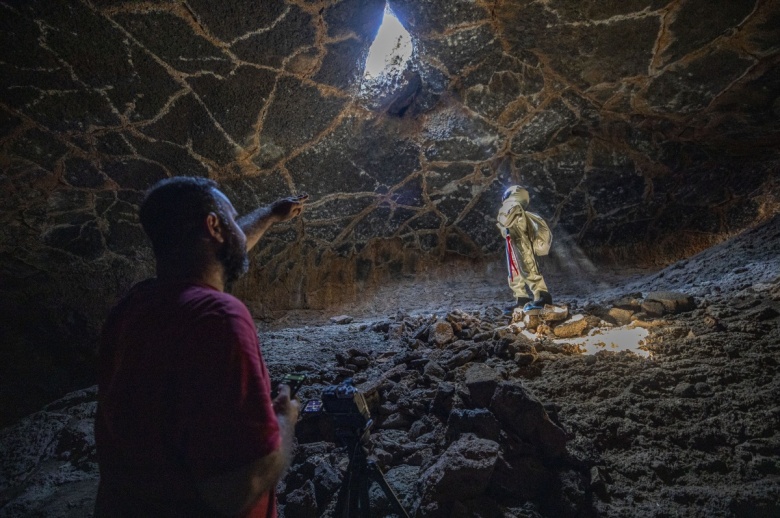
[{"x": 185, "y": 423}]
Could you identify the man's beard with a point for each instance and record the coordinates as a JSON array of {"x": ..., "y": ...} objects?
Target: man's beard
[{"x": 233, "y": 256}]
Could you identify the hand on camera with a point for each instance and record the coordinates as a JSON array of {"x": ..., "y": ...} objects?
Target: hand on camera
[{"x": 284, "y": 406}]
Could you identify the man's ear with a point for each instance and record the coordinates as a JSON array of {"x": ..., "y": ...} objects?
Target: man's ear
[{"x": 214, "y": 227}]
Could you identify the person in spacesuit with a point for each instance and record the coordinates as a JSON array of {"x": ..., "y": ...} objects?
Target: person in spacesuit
[{"x": 527, "y": 235}]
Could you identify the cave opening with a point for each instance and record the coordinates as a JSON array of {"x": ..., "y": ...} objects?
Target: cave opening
[{"x": 390, "y": 51}]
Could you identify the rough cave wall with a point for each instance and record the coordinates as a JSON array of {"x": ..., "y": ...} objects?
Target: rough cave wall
[{"x": 644, "y": 128}]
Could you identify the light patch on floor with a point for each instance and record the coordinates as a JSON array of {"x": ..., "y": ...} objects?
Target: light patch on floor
[{"x": 615, "y": 339}]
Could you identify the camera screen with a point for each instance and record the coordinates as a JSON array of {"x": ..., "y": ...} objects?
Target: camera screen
[{"x": 313, "y": 406}]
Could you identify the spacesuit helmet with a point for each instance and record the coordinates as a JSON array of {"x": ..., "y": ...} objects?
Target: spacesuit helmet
[{"x": 519, "y": 193}]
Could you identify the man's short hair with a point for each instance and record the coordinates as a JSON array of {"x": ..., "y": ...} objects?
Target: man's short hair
[{"x": 173, "y": 212}]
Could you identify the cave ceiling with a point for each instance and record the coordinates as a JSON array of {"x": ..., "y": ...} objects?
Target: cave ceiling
[{"x": 631, "y": 123}]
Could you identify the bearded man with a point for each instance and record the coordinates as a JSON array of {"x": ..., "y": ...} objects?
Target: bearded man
[{"x": 185, "y": 423}]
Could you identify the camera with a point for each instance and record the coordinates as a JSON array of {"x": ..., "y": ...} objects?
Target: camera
[
  {"x": 350, "y": 422},
  {"x": 344, "y": 403}
]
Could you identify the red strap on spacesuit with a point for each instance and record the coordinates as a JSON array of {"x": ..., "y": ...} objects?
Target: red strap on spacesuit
[{"x": 511, "y": 260}]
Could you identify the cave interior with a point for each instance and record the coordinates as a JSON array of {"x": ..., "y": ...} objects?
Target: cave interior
[{"x": 647, "y": 133}]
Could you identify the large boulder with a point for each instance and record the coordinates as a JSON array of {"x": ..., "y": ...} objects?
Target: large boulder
[
  {"x": 672, "y": 301},
  {"x": 462, "y": 472},
  {"x": 522, "y": 414},
  {"x": 481, "y": 381}
]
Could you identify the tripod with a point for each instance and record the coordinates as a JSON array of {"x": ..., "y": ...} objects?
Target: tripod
[{"x": 353, "y": 501}]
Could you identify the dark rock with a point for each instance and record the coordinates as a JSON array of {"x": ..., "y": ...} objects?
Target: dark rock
[
  {"x": 346, "y": 371},
  {"x": 327, "y": 480},
  {"x": 523, "y": 414},
  {"x": 684, "y": 390},
  {"x": 463, "y": 357},
  {"x": 396, "y": 331},
  {"x": 767, "y": 313},
  {"x": 478, "y": 421},
  {"x": 360, "y": 362},
  {"x": 434, "y": 370},
  {"x": 422, "y": 332},
  {"x": 524, "y": 359},
  {"x": 396, "y": 421},
  {"x": 185, "y": 120},
  {"x": 482, "y": 336},
  {"x": 520, "y": 344},
  {"x": 419, "y": 363},
  {"x": 82, "y": 173},
  {"x": 442, "y": 401},
  {"x": 420, "y": 427},
  {"x": 388, "y": 409},
  {"x": 653, "y": 308},
  {"x": 305, "y": 450},
  {"x": 481, "y": 381},
  {"x": 383, "y": 458},
  {"x": 673, "y": 302},
  {"x": 419, "y": 456},
  {"x": 702, "y": 389},
  {"x": 381, "y": 327},
  {"x": 302, "y": 501},
  {"x": 631, "y": 302},
  {"x": 77, "y": 442},
  {"x": 462, "y": 472}
]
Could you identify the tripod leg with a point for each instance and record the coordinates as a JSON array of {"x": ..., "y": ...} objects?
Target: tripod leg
[
  {"x": 350, "y": 485},
  {"x": 364, "y": 505},
  {"x": 353, "y": 500},
  {"x": 342, "y": 504},
  {"x": 374, "y": 473}
]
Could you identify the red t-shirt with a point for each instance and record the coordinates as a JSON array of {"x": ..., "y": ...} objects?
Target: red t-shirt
[{"x": 183, "y": 395}]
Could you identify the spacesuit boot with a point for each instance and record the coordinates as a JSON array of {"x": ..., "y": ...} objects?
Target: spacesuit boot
[
  {"x": 542, "y": 298},
  {"x": 519, "y": 303}
]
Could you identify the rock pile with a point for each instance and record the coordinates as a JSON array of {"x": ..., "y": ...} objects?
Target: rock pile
[
  {"x": 692, "y": 431},
  {"x": 48, "y": 462},
  {"x": 559, "y": 322},
  {"x": 455, "y": 430}
]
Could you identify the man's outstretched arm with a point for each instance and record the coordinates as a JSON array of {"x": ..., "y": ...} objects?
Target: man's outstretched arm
[{"x": 258, "y": 221}]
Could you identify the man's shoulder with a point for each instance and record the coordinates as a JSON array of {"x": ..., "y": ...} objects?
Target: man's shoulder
[
  {"x": 195, "y": 296},
  {"x": 211, "y": 298}
]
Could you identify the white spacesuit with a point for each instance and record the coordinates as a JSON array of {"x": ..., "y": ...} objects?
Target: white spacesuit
[{"x": 527, "y": 235}]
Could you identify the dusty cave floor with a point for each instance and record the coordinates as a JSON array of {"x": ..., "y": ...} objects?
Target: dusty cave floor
[{"x": 693, "y": 430}]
